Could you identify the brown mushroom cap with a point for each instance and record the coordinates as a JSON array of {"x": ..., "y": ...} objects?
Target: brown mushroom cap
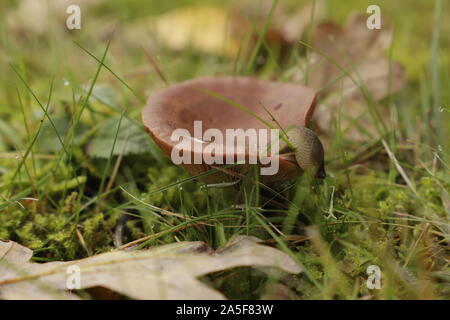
[{"x": 181, "y": 104}]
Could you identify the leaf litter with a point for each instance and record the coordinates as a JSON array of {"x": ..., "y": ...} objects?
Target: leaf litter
[{"x": 165, "y": 272}]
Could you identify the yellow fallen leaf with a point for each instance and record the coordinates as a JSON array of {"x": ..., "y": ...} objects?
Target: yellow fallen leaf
[
  {"x": 218, "y": 31},
  {"x": 203, "y": 28}
]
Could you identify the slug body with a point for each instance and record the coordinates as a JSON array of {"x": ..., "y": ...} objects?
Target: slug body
[{"x": 308, "y": 150}]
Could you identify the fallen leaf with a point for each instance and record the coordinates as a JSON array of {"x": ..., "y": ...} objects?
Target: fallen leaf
[
  {"x": 362, "y": 53},
  {"x": 278, "y": 291},
  {"x": 287, "y": 26},
  {"x": 215, "y": 30},
  {"x": 164, "y": 272},
  {"x": 356, "y": 49},
  {"x": 202, "y": 28},
  {"x": 293, "y": 25}
]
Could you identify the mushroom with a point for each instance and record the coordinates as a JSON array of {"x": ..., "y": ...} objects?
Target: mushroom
[{"x": 285, "y": 105}]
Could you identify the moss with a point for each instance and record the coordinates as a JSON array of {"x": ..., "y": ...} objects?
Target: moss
[
  {"x": 191, "y": 198},
  {"x": 54, "y": 235},
  {"x": 134, "y": 229},
  {"x": 28, "y": 237}
]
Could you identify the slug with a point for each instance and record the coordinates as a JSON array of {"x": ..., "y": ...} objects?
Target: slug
[{"x": 308, "y": 152}]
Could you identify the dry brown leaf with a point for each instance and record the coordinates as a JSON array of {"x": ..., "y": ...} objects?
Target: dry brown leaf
[
  {"x": 293, "y": 25},
  {"x": 278, "y": 291},
  {"x": 363, "y": 54},
  {"x": 286, "y": 27},
  {"x": 164, "y": 272},
  {"x": 352, "y": 47}
]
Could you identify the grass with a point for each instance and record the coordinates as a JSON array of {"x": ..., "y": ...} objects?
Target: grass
[{"x": 74, "y": 157}]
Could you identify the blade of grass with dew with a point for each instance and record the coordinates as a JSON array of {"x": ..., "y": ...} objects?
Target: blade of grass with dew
[
  {"x": 308, "y": 39},
  {"x": 45, "y": 110},
  {"x": 30, "y": 147},
  {"x": 108, "y": 163},
  {"x": 141, "y": 99}
]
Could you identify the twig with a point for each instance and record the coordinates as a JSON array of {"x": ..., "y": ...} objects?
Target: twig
[{"x": 137, "y": 241}]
